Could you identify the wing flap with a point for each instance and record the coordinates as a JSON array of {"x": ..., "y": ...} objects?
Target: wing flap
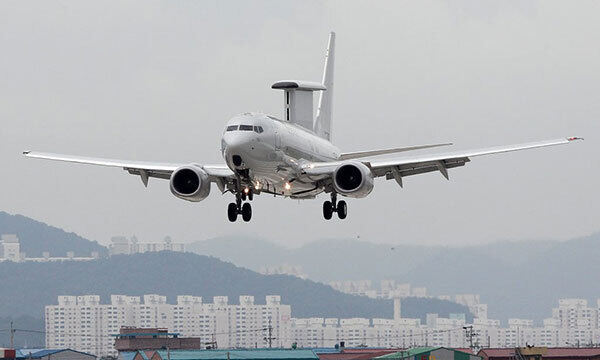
[{"x": 419, "y": 168}]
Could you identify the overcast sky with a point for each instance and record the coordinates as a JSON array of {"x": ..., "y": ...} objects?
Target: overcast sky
[{"x": 157, "y": 80}]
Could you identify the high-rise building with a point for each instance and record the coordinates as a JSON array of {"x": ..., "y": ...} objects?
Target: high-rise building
[
  {"x": 120, "y": 245},
  {"x": 10, "y": 249},
  {"x": 575, "y": 313},
  {"x": 83, "y": 323}
]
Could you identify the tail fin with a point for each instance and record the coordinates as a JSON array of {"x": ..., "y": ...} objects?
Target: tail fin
[{"x": 322, "y": 125}]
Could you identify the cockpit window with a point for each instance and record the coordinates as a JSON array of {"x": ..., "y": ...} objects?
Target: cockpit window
[
  {"x": 232, "y": 128},
  {"x": 246, "y": 127},
  {"x": 258, "y": 129}
]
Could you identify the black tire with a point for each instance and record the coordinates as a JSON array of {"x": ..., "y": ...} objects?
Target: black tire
[
  {"x": 243, "y": 196},
  {"x": 232, "y": 212},
  {"x": 327, "y": 210},
  {"x": 342, "y": 209},
  {"x": 246, "y": 212},
  {"x": 250, "y": 196}
]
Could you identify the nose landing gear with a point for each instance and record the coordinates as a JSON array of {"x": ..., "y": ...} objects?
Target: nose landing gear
[
  {"x": 329, "y": 207},
  {"x": 237, "y": 208}
]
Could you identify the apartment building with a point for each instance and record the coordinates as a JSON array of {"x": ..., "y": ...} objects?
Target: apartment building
[
  {"x": 120, "y": 245},
  {"x": 83, "y": 323},
  {"x": 10, "y": 249},
  {"x": 572, "y": 313},
  {"x": 573, "y": 324}
]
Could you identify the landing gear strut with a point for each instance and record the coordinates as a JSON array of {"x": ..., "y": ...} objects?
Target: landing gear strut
[
  {"x": 237, "y": 208},
  {"x": 329, "y": 207}
]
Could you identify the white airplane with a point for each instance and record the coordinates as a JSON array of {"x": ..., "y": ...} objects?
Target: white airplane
[{"x": 293, "y": 157}]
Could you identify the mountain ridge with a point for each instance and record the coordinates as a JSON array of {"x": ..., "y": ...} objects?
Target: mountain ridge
[
  {"x": 503, "y": 273},
  {"x": 516, "y": 279},
  {"x": 36, "y": 237},
  {"x": 34, "y": 285}
]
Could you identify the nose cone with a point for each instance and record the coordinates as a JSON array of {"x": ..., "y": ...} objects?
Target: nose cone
[{"x": 236, "y": 147}]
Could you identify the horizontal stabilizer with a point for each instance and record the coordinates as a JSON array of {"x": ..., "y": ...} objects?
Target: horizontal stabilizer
[
  {"x": 362, "y": 154},
  {"x": 298, "y": 85}
]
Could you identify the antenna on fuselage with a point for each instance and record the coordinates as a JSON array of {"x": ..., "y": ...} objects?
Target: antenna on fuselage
[
  {"x": 298, "y": 98},
  {"x": 298, "y": 101}
]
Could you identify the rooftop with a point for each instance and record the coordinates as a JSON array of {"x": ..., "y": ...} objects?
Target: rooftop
[
  {"x": 249, "y": 354},
  {"x": 39, "y": 353},
  {"x": 558, "y": 352},
  {"x": 421, "y": 350}
]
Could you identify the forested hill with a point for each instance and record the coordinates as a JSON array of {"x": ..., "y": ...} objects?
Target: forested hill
[
  {"x": 36, "y": 237},
  {"x": 34, "y": 285}
]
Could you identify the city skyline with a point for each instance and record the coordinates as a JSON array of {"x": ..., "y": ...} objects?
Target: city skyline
[{"x": 84, "y": 323}]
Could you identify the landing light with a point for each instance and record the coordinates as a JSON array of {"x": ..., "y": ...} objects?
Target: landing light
[
  {"x": 246, "y": 190},
  {"x": 287, "y": 186},
  {"x": 257, "y": 185}
]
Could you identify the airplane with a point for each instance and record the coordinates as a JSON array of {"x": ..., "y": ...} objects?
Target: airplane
[{"x": 293, "y": 157}]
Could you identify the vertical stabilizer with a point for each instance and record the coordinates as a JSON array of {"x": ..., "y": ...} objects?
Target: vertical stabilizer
[{"x": 322, "y": 125}]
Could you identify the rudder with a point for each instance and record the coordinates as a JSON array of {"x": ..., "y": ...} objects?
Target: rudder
[{"x": 323, "y": 120}]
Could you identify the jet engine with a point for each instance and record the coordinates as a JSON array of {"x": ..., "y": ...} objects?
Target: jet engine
[
  {"x": 190, "y": 183},
  {"x": 353, "y": 179}
]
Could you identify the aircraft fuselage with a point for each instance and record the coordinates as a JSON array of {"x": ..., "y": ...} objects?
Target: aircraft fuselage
[{"x": 267, "y": 150}]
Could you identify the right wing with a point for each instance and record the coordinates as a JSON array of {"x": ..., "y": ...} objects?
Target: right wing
[
  {"x": 144, "y": 169},
  {"x": 397, "y": 168}
]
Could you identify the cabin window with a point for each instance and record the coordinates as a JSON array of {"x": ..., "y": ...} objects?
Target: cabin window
[
  {"x": 232, "y": 128},
  {"x": 246, "y": 127},
  {"x": 258, "y": 129}
]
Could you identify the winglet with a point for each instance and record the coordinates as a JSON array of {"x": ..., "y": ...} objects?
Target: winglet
[{"x": 573, "y": 138}]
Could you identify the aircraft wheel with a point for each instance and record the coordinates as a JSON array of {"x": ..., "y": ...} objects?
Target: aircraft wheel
[
  {"x": 246, "y": 212},
  {"x": 327, "y": 210},
  {"x": 342, "y": 209},
  {"x": 232, "y": 212},
  {"x": 250, "y": 196},
  {"x": 243, "y": 196}
]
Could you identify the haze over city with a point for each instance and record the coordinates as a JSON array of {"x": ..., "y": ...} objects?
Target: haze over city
[{"x": 158, "y": 82}]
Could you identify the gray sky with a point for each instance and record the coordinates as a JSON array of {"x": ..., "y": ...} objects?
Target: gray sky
[{"x": 154, "y": 80}]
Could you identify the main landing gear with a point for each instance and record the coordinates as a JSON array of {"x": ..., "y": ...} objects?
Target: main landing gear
[
  {"x": 237, "y": 208},
  {"x": 329, "y": 207}
]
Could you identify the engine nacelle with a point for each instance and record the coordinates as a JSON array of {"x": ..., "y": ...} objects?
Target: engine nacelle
[
  {"x": 353, "y": 179},
  {"x": 190, "y": 183}
]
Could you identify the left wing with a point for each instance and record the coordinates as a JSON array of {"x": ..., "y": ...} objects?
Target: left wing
[
  {"x": 411, "y": 165},
  {"x": 144, "y": 169}
]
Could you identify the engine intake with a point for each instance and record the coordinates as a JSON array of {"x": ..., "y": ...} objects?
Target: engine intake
[
  {"x": 190, "y": 183},
  {"x": 353, "y": 179}
]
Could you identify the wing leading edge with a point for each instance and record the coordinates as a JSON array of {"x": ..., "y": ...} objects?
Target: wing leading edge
[{"x": 145, "y": 169}]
